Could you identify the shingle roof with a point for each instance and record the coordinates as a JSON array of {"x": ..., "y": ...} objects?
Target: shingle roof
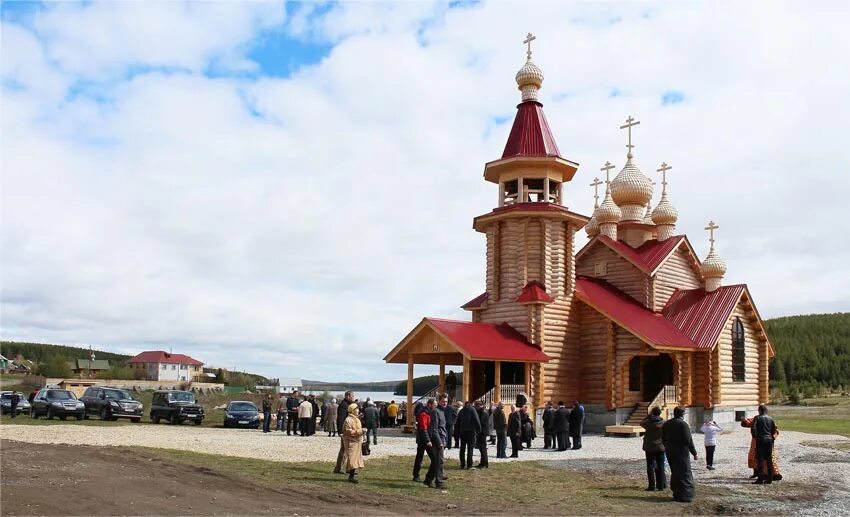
[{"x": 159, "y": 356}]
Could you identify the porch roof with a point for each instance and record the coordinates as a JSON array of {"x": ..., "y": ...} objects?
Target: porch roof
[{"x": 473, "y": 341}]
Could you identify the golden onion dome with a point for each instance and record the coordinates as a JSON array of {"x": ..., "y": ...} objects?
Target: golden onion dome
[
  {"x": 608, "y": 211},
  {"x": 592, "y": 226},
  {"x": 529, "y": 80},
  {"x": 630, "y": 186},
  {"x": 713, "y": 266},
  {"x": 665, "y": 212}
]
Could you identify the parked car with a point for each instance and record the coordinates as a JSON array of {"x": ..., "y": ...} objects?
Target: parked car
[
  {"x": 6, "y": 403},
  {"x": 242, "y": 413},
  {"x": 53, "y": 402},
  {"x": 111, "y": 404},
  {"x": 176, "y": 407}
]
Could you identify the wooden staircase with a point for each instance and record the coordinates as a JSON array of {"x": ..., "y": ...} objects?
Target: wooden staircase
[{"x": 668, "y": 395}]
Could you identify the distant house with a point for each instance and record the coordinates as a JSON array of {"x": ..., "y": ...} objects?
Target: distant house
[
  {"x": 157, "y": 365},
  {"x": 289, "y": 385},
  {"x": 4, "y": 364},
  {"x": 86, "y": 366}
]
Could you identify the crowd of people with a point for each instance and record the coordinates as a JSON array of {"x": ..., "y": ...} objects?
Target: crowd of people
[{"x": 671, "y": 440}]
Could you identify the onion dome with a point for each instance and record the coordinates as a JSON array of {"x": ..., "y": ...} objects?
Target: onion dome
[
  {"x": 713, "y": 266},
  {"x": 608, "y": 211},
  {"x": 630, "y": 186},
  {"x": 529, "y": 80},
  {"x": 647, "y": 218},
  {"x": 592, "y": 226},
  {"x": 665, "y": 212}
]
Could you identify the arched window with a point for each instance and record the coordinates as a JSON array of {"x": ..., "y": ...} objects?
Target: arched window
[
  {"x": 738, "y": 351},
  {"x": 634, "y": 374}
]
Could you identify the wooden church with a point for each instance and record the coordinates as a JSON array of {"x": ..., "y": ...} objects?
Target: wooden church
[{"x": 632, "y": 319}]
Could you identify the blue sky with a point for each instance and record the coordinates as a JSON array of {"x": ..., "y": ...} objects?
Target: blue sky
[{"x": 290, "y": 187}]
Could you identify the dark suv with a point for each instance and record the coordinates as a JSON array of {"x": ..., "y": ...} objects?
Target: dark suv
[
  {"x": 176, "y": 407},
  {"x": 52, "y": 402},
  {"x": 111, "y": 404}
]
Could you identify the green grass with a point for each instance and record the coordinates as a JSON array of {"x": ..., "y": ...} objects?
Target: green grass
[
  {"x": 815, "y": 425},
  {"x": 822, "y": 415}
]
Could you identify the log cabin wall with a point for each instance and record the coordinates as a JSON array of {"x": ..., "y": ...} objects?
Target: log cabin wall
[
  {"x": 626, "y": 347},
  {"x": 677, "y": 272},
  {"x": 701, "y": 386},
  {"x": 602, "y": 262},
  {"x": 748, "y": 392},
  {"x": 593, "y": 355}
]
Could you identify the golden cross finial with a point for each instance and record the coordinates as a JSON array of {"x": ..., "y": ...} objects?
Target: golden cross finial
[
  {"x": 711, "y": 227},
  {"x": 528, "y": 39},
  {"x": 630, "y": 122},
  {"x": 607, "y": 168},
  {"x": 595, "y": 185},
  {"x": 663, "y": 170}
]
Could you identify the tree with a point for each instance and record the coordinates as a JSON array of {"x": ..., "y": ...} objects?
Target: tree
[{"x": 55, "y": 366}]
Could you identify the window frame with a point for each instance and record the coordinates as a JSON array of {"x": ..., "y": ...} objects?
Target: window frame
[{"x": 739, "y": 351}]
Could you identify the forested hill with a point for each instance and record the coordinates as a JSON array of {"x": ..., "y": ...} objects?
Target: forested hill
[
  {"x": 812, "y": 351},
  {"x": 40, "y": 352}
]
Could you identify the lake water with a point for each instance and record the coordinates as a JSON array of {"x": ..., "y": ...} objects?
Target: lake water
[{"x": 377, "y": 396}]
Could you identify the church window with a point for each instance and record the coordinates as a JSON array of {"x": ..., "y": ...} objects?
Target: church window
[
  {"x": 534, "y": 188},
  {"x": 600, "y": 268},
  {"x": 634, "y": 374},
  {"x": 738, "y": 351}
]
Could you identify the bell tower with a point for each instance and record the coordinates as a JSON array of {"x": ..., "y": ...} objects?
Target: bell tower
[{"x": 531, "y": 241}]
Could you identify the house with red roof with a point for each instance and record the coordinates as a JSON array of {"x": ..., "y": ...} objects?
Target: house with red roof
[
  {"x": 158, "y": 365},
  {"x": 633, "y": 319}
]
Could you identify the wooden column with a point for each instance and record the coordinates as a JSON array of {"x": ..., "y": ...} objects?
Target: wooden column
[
  {"x": 501, "y": 193},
  {"x": 520, "y": 183},
  {"x": 442, "y": 388},
  {"x": 467, "y": 373},
  {"x": 497, "y": 378},
  {"x": 527, "y": 371},
  {"x": 546, "y": 189},
  {"x": 409, "y": 389}
]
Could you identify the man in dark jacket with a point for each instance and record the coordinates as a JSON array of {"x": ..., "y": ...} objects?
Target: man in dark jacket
[
  {"x": 483, "y": 435},
  {"x": 515, "y": 431},
  {"x": 676, "y": 437},
  {"x": 341, "y": 415},
  {"x": 311, "y": 425},
  {"x": 500, "y": 425},
  {"x": 267, "y": 412},
  {"x": 292, "y": 413},
  {"x": 14, "y": 401},
  {"x": 763, "y": 431},
  {"x": 450, "y": 412},
  {"x": 528, "y": 431},
  {"x": 653, "y": 447},
  {"x": 436, "y": 436},
  {"x": 468, "y": 426},
  {"x": 576, "y": 424},
  {"x": 562, "y": 427},
  {"x": 548, "y": 426},
  {"x": 370, "y": 421}
]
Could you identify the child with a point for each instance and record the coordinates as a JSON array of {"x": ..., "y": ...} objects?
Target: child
[{"x": 710, "y": 429}]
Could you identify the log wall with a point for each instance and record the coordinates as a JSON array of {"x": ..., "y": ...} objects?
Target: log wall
[
  {"x": 677, "y": 272},
  {"x": 618, "y": 272},
  {"x": 627, "y": 346},
  {"x": 753, "y": 388},
  {"x": 593, "y": 355}
]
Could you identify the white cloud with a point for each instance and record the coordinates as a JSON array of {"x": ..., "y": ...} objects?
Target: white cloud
[{"x": 307, "y": 238}]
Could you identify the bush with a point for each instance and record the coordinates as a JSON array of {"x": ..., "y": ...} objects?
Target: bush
[
  {"x": 55, "y": 366},
  {"x": 794, "y": 398}
]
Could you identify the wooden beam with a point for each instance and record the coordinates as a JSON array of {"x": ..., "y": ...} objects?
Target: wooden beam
[
  {"x": 497, "y": 377},
  {"x": 409, "y": 389},
  {"x": 467, "y": 373},
  {"x": 527, "y": 371},
  {"x": 442, "y": 388}
]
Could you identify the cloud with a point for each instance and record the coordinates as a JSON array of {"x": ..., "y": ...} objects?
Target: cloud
[{"x": 301, "y": 225}]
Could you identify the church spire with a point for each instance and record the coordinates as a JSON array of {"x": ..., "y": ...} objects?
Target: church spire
[
  {"x": 712, "y": 268},
  {"x": 592, "y": 226},
  {"x": 665, "y": 214}
]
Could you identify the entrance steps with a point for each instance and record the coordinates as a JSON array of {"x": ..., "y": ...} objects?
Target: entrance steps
[{"x": 631, "y": 427}]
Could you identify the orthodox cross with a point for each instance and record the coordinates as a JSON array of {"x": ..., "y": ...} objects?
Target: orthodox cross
[
  {"x": 607, "y": 168},
  {"x": 711, "y": 227},
  {"x": 663, "y": 170},
  {"x": 630, "y": 122},
  {"x": 595, "y": 186},
  {"x": 528, "y": 39}
]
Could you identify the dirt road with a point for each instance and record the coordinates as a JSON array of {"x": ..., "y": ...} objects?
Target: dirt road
[{"x": 82, "y": 480}]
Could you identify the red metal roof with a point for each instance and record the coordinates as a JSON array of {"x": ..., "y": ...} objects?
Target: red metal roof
[
  {"x": 646, "y": 257},
  {"x": 534, "y": 292},
  {"x": 530, "y": 134},
  {"x": 700, "y": 315},
  {"x": 159, "y": 356},
  {"x": 476, "y": 303},
  {"x": 624, "y": 310},
  {"x": 488, "y": 341}
]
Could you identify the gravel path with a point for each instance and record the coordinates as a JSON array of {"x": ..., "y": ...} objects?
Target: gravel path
[{"x": 801, "y": 460}]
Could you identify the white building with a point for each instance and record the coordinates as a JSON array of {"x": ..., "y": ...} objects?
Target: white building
[{"x": 164, "y": 366}]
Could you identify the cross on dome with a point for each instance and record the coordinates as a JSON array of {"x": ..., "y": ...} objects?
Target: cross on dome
[
  {"x": 711, "y": 227},
  {"x": 607, "y": 168},
  {"x": 630, "y": 122},
  {"x": 663, "y": 170},
  {"x": 595, "y": 185},
  {"x": 528, "y": 39}
]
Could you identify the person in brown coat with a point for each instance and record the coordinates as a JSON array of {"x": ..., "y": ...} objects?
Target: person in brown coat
[
  {"x": 352, "y": 437},
  {"x": 654, "y": 449}
]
